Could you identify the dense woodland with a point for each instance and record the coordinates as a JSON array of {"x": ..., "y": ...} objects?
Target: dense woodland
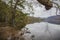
[{"x": 8, "y": 14}]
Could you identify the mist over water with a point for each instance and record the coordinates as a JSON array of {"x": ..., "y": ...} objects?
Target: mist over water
[{"x": 40, "y": 32}]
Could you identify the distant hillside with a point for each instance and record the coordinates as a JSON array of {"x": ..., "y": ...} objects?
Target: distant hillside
[{"x": 34, "y": 19}]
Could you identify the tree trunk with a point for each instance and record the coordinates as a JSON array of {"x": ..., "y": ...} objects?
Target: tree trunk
[{"x": 14, "y": 12}]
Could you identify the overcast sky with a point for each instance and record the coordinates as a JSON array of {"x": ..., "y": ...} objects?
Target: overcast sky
[{"x": 40, "y": 11}]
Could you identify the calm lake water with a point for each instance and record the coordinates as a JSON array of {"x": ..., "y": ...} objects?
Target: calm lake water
[{"x": 40, "y": 32}]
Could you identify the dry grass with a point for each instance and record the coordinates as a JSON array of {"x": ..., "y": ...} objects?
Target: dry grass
[{"x": 9, "y": 32}]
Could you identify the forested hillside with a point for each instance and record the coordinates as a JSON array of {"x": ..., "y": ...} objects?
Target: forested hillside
[{"x": 34, "y": 19}]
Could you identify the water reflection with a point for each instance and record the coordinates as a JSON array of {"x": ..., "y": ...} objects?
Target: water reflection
[{"x": 38, "y": 29}]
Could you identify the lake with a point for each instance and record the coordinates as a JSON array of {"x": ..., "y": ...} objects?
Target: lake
[{"x": 40, "y": 31}]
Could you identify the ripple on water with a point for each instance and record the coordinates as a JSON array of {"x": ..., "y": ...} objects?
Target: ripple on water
[{"x": 38, "y": 29}]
